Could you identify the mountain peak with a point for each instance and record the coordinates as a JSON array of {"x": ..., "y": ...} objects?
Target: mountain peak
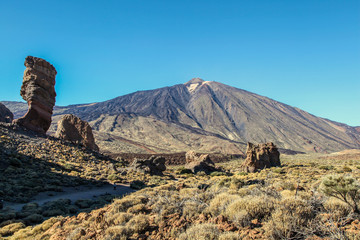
[{"x": 194, "y": 81}]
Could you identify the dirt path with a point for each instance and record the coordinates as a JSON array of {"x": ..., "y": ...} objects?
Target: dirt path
[{"x": 74, "y": 193}]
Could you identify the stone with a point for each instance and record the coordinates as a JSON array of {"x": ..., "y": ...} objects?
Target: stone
[
  {"x": 72, "y": 128},
  {"x": 38, "y": 89},
  {"x": 199, "y": 162},
  {"x": 154, "y": 165},
  {"x": 260, "y": 156},
  {"x": 6, "y": 115},
  {"x": 191, "y": 156}
]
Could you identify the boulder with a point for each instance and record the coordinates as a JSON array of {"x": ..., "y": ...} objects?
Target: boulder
[
  {"x": 191, "y": 156},
  {"x": 5, "y": 114},
  {"x": 154, "y": 165},
  {"x": 38, "y": 89},
  {"x": 75, "y": 130},
  {"x": 199, "y": 162},
  {"x": 260, "y": 156}
]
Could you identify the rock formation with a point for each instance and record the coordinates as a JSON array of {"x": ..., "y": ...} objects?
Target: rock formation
[
  {"x": 38, "y": 89},
  {"x": 75, "y": 130},
  {"x": 154, "y": 165},
  {"x": 191, "y": 156},
  {"x": 199, "y": 162},
  {"x": 260, "y": 156},
  {"x": 5, "y": 114}
]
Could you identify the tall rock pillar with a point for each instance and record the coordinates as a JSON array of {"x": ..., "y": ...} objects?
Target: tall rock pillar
[{"x": 38, "y": 89}]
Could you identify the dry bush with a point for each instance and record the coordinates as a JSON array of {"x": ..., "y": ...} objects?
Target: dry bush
[
  {"x": 138, "y": 224},
  {"x": 117, "y": 232},
  {"x": 120, "y": 218},
  {"x": 192, "y": 208},
  {"x": 205, "y": 231},
  {"x": 289, "y": 220},
  {"x": 123, "y": 204},
  {"x": 10, "y": 229},
  {"x": 138, "y": 208},
  {"x": 250, "y": 207},
  {"x": 338, "y": 210},
  {"x": 220, "y": 202},
  {"x": 229, "y": 236}
]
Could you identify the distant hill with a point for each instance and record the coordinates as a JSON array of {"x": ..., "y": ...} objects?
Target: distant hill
[{"x": 207, "y": 117}]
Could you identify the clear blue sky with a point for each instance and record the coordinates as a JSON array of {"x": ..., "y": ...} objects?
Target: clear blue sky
[{"x": 302, "y": 53}]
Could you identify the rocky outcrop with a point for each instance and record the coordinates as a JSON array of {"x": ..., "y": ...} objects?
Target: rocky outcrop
[
  {"x": 38, "y": 89},
  {"x": 199, "y": 162},
  {"x": 75, "y": 130},
  {"x": 5, "y": 114},
  {"x": 260, "y": 156},
  {"x": 154, "y": 165}
]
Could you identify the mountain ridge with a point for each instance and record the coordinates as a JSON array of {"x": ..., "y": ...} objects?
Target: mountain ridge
[{"x": 210, "y": 116}]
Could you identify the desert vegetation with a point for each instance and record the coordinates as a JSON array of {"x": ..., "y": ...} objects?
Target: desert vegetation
[{"x": 308, "y": 197}]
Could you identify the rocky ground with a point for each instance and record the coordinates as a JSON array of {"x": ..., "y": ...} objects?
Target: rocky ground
[{"x": 286, "y": 202}]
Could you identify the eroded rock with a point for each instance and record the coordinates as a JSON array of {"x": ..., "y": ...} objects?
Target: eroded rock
[
  {"x": 38, "y": 89},
  {"x": 154, "y": 165},
  {"x": 75, "y": 130},
  {"x": 260, "y": 156},
  {"x": 5, "y": 114},
  {"x": 199, "y": 162}
]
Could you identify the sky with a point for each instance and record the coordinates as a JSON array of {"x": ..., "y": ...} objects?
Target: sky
[{"x": 302, "y": 53}]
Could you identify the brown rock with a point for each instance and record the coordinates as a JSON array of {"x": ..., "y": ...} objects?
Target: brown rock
[
  {"x": 191, "y": 156},
  {"x": 38, "y": 89},
  {"x": 75, "y": 130},
  {"x": 260, "y": 156},
  {"x": 154, "y": 165},
  {"x": 5, "y": 114},
  {"x": 197, "y": 163}
]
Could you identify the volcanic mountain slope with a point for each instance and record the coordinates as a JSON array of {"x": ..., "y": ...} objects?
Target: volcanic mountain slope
[{"x": 208, "y": 117}]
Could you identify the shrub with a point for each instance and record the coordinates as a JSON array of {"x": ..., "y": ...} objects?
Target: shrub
[
  {"x": 229, "y": 236},
  {"x": 183, "y": 170},
  {"x": 216, "y": 173},
  {"x": 137, "y": 184},
  {"x": 289, "y": 219},
  {"x": 119, "y": 218},
  {"x": 138, "y": 208},
  {"x": 344, "y": 188},
  {"x": 249, "y": 207},
  {"x": 220, "y": 202},
  {"x": 33, "y": 219},
  {"x": 117, "y": 232},
  {"x": 138, "y": 224},
  {"x": 337, "y": 209},
  {"x": 326, "y": 167},
  {"x": 205, "y": 231},
  {"x": 10, "y": 229},
  {"x": 113, "y": 177},
  {"x": 347, "y": 169}
]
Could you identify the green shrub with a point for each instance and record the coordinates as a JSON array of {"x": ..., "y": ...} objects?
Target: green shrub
[
  {"x": 344, "y": 188},
  {"x": 183, "y": 170},
  {"x": 213, "y": 174},
  {"x": 113, "y": 177},
  {"x": 137, "y": 184},
  {"x": 326, "y": 167},
  {"x": 33, "y": 219}
]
